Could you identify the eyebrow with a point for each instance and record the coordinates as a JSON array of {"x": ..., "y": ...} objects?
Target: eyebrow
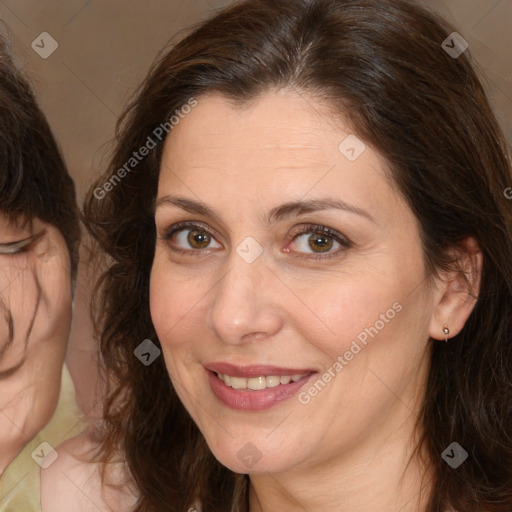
[{"x": 277, "y": 213}]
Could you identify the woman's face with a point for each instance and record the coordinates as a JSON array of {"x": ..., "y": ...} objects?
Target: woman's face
[
  {"x": 288, "y": 257},
  {"x": 35, "y": 312}
]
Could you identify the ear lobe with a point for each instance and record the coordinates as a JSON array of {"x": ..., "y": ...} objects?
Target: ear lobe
[{"x": 458, "y": 290}]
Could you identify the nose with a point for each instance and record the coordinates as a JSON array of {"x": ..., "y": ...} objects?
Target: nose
[{"x": 246, "y": 303}]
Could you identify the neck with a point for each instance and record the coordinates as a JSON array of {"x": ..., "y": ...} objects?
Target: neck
[{"x": 373, "y": 477}]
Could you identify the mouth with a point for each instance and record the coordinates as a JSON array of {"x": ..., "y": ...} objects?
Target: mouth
[
  {"x": 255, "y": 387},
  {"x": 259, "y": 383}
]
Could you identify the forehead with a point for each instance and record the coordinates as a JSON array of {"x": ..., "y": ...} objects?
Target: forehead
[
  {"x": 281, "y": 145},
  {"x": 283, "y": 125}
]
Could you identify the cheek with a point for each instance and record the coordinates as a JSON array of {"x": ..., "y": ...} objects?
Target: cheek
[
  {"x": 334, "y": 312},
  {"x": 380, "y": 336},
  {"x": 56, "y": 298},
  {"x": 19, "y": 306},
  {"x": 171, "y": 302}
]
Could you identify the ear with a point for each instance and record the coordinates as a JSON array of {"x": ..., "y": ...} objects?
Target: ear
[{"x": 457, "y": 290}]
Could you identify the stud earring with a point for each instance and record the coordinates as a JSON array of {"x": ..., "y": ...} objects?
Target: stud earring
[{"x": 446, "y": 331}]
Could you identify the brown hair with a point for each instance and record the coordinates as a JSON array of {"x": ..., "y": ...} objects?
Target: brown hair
[
  {"x": 34, "y": 181},
  {"x": 380, "y": 64}
]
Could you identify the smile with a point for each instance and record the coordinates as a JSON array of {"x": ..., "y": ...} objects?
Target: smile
[
  {"x": 255, "y": 387},
  {"x": 258, "y": 383}
]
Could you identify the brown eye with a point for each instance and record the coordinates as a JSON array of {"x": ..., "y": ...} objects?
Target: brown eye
[
  {"x": 198, "y": 239},
  {"x": 190, "y": 237},
  {"x": 315, "y": 241},
  {"x": 320, "y": 243}
]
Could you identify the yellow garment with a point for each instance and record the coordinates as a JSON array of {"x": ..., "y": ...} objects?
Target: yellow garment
[{"x": 19, "y": 485}]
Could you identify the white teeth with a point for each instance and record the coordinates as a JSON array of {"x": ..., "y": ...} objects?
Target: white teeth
[
  {"x": 238, "y": 382},
  {"x": 272, "y": 381},
  {"x": 258, "y": 383}
]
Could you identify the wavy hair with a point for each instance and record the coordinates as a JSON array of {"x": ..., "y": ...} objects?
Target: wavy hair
[{"x": 382, "y": 66}]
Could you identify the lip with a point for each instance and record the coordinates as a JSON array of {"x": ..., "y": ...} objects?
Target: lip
[{"x": 254, "y": 400}]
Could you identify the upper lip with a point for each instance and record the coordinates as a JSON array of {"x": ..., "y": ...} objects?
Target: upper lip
[{"x": 254, "y": 370}]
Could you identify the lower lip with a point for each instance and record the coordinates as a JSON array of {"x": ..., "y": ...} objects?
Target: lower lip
[{"x": 254, "y": 400}]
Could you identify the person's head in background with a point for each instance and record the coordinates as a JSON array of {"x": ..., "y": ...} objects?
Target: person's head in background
[
  {"x": 39, "y": 239},
  {"x": 277, "y": 87}
]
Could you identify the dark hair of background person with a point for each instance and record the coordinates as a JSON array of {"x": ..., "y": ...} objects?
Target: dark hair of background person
[
  {"x": 381, "y": 65},
  {"x": 34, "y": 181}
]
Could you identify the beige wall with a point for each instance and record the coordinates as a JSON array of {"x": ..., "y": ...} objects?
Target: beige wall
[{"x": 106, "y": 46}]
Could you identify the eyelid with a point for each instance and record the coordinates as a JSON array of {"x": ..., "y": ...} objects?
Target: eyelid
[
  {"x": 311, "y": 228},
  {"x": 321, "y": 229},
  {"x": 171, "y": 231},
  {"x": 15, "y": 247},
  {"x": 183, "y": 225}
]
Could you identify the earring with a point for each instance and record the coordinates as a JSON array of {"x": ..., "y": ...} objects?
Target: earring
[{"x": 446, "y": 331}]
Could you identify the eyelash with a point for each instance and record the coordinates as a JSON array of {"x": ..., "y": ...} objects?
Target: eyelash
[
  {"x": 16, "y": 248},
  {"x": 20, "y": 247},
  {"x": 307, "y": 228}
]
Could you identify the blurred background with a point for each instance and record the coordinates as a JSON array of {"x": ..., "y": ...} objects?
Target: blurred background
[{"x": 85, "y": 58}]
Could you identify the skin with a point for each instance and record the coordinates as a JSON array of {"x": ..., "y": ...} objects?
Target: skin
[
  {"x": 35, "y": 289},
  {"x": 350, "y": 444},
  {"x": 72, "y": 483}
]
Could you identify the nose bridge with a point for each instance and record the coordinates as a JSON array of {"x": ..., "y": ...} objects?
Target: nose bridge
[{"x": 243, "y": 301}]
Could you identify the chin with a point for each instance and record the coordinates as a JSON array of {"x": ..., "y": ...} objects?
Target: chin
[{"x": 248, "y": 458}]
